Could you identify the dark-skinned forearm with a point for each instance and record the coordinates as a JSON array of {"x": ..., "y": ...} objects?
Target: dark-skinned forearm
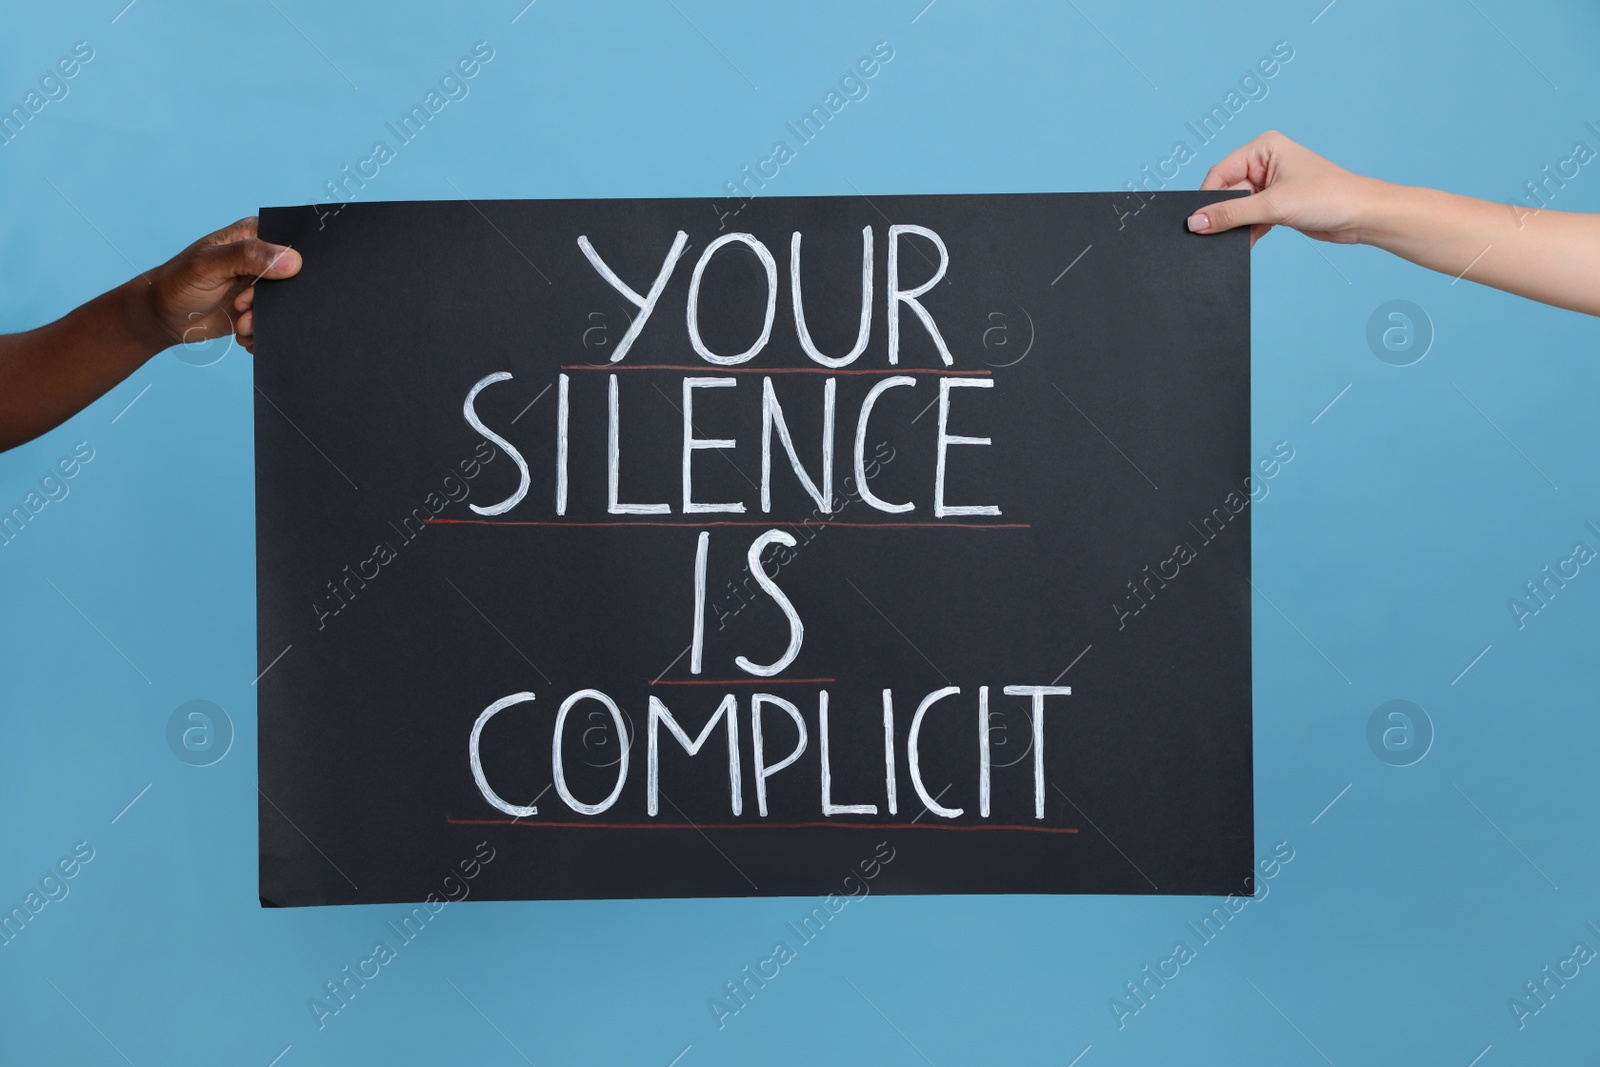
[{"x": 49, "y": 374}]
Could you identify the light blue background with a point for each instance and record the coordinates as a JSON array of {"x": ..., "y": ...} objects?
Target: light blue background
[{"x": 1393, "y": 540}]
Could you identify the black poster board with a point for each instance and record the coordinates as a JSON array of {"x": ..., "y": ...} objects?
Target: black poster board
[{"x": 428, "y": 612}]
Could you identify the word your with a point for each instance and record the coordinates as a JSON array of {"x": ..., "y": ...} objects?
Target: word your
[
  {"x": 897, "y": 297},
  {"x": 337, "y": 994},
  {"x": 1542, "y": 192},
  {"x": 740, "y": 994},
  {"x": 1210, "y": 529},
  {"x": 761, "y": 763},
  {"x": 1540, "y": 994},
  {"x": 1524, "y": 609},
  {"x": 811, "y": 124},
  {"x": 453, "y": 489},
  {"x": 53, "y": 87},
  {"x": 52, "y": 888},
  {"x": 1253, "y": 88},
  {"x": 54, "y": 487},
  {"x": 811, "y": 526},
  {"x": 452, "y": 86},
  {"x": 1152, "y": 980}
]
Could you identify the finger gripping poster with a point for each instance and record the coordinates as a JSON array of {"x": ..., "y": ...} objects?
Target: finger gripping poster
[{"x": 661, "y": 548}]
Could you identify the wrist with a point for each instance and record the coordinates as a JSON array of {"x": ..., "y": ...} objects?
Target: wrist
[
  {"x": 144, "y": 324},
  {"x": 1381, "y": 211}
]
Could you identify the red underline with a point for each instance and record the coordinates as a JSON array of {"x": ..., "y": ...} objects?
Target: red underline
[
  {"x": 745, "y": 522},
  {"x": 711, "y": 369},
  {"x": 747, "y": 681},
  {"x": 757, "y": 826}
]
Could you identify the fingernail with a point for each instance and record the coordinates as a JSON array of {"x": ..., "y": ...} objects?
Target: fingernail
[{"x": 1198, "y": 223}]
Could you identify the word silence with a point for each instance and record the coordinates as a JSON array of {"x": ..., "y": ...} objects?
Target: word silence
[{"x": 541, "y": 669}]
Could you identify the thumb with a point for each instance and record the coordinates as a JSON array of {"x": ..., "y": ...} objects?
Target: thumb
[
  {"x": 251, "y": 258},
  {"x": 1258, "y": 209}
]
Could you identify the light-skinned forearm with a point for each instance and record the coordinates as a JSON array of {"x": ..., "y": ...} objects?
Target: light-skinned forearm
[{"x": 1550, "y": 256}]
